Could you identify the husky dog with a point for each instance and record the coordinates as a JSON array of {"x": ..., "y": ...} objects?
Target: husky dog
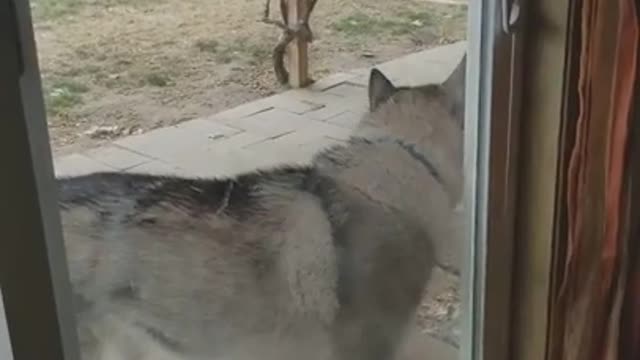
[
  {"x": 408, "y": 153},
  {"x": 327, "y": 261}
]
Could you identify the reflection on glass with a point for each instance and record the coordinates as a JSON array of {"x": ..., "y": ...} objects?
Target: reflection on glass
[
  {"x": 5, "y": 345},
  {"x": 317, "y": 224}
]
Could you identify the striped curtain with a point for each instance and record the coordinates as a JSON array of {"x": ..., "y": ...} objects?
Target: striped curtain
[{"x": 596, "y": 305}]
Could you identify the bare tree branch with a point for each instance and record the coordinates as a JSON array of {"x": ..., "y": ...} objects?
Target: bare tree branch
[
  {"x": 277, "y": 23},
  {"x": 267, "y": 20},
  {"x": 278, "y": 56},
  {"x": 312, "y": 5},
  {"x": 284, "y": 11}
]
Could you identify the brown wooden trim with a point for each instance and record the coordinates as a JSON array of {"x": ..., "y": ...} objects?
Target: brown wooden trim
[{"x": 33, "y": 267}]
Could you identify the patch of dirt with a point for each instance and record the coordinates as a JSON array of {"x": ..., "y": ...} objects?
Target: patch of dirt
[
  {"x": 439, "y": 312},
  {"x": 134, "y": 66}
]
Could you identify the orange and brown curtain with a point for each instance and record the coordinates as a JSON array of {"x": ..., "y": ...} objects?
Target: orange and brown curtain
[{"x": 596, "y": 305}]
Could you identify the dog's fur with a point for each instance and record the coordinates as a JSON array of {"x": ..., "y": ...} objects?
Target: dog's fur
[
  {"x": 327, "y": 261},
  {"x": 408, "y": 153}
]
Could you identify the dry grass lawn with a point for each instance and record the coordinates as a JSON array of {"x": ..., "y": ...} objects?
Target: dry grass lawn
[{"x": 130, "y": 66}]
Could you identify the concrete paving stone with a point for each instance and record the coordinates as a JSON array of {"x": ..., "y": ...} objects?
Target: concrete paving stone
[
  {"x": 269, "y": 158},
  {"x": 347, "y": 119},
  {"x": 330, "y": 99},
  {"x": 360, "y": 72},
  {"x": 316, "y": 97},
  {"x": 201, "y": 126},
  {"x": 444, "y": 53},
  {"x": 241, "y": 111},
  {"x": 78, "y": 164},
  {"x": 306, "y": 153},
  {"x": 237, "y": 141},
  {"x": 304, "y": 106},
  {"x": 239, "y": 161},
  {"x": 414, "y": 72},
  {"x": 353, "y": 97},
  {"x": 156, "y": 167},
  {"x": 425, "y": 67},
  {"x": 327, "y": 112},
  {"x": 220, "y": 157},
  {"x": 360, "y": 106},
  {"x": 231, "y": 160},
  {"x": 192, "y": 167},
  {"x": 324, "y": 143},
  {"x": 199, "y": 158},
  {"x": 353, "y": 104},
  {"x": 349, "y": 91},
  {"x": 312, "y": 134},
  {"x": 282, "y": 150},
  {"x": 331, "y": 81},
  {"x": 295, "y": 105},
  {"x": 324, "y": 129},
  {"x": 281, "y": 101},
  {"x": 271, "y": 123},
  {"x": 315, "y": 147},
  {"x": 117, "y": 157},
  {"x": 353, "y": 82},
  {"x": 208, "y": 167},
  {"x": 190, "y": 136},
  {"x": 203, "y": 158},
  {"x": 308, "y": 94},
  {"x": 299, "y": 146},
  {"x": 156, "y": 143},
  {"x": 333, "y": 104},
  {"x": 441, "y": 57},
  {"x": 360, "y": 80},
  {"x": 278, "y": 153},
  {"x": 361, "y": 113}
]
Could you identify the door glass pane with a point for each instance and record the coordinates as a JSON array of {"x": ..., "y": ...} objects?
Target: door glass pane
[{"x": 210, "y": 212}]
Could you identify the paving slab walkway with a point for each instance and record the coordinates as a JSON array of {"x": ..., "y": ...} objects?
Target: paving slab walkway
[{"x": 285, "y": 128}]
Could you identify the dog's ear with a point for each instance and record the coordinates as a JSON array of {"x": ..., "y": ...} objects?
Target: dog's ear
[
  {"x": 454, "y": 86},
  {"x": 380, "y": 89}
]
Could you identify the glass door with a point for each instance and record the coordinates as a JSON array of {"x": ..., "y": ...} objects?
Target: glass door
[{"x": 394, "y": 243}]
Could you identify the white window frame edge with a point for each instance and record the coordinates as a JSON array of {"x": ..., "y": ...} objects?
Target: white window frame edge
[{"x": 492, "y": 113}]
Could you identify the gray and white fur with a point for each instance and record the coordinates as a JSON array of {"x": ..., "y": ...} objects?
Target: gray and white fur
[{"x": 327, "y": 261}]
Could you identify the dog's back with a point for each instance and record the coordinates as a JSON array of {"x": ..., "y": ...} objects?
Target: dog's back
[
  {"x": 200, "y": 264},
  {"x": 272, "y": 259}
]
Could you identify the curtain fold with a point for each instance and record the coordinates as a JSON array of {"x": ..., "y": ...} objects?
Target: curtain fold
[{"x": 598, "y": 293}]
